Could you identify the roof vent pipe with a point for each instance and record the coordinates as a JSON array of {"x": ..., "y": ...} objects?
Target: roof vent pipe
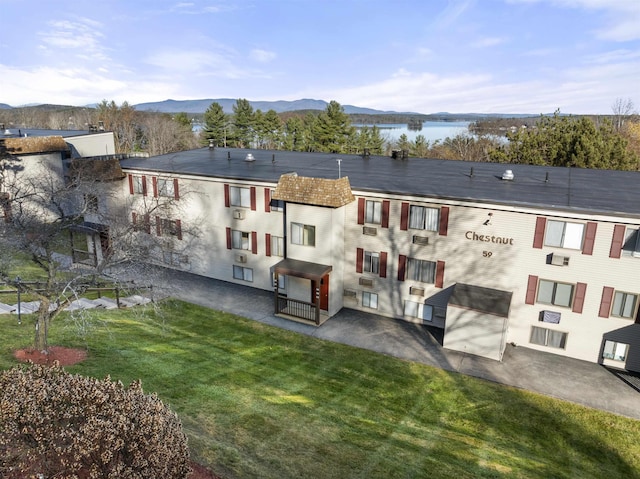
[
  {"x": 546, "y": 177},
  {"x": 507, "y": 175}
]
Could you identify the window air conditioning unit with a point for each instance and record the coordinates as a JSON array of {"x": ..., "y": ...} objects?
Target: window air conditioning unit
[
  {"x": 238, "y": 214},
  {"x": 550, "y": 317},
  {"x": 420, "y": 240},
  {"x": 559, "y": 260},
  {"x": 416, "y": 291},
  {"x": 349, "y": 293},
  {"x": 365, "y": 282},
  {"x": 369, "y": 230},
  {"x": 241, "y": 258}
]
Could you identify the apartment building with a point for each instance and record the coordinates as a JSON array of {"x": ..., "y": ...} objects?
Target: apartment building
[{"x": 545, "y": 258}]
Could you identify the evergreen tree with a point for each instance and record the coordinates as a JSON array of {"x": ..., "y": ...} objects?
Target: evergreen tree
[
  {"x": 332, "y": 129},
  {"x": 244, "y": 123},
  {"x": 567, "y": 141},
  {"x": 215, "y": 125}
]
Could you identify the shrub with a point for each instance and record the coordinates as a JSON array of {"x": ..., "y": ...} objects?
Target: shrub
[{"x": 56, "y": 424}]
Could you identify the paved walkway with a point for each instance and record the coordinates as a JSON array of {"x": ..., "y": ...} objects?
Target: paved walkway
[{"x": 565, "y": 378}]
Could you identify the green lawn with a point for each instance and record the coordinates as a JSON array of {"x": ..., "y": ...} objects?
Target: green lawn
[{"x": 257, "y": 401}]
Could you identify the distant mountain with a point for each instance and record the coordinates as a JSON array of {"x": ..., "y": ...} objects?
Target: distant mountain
[
  {"x": 281, "y": 106},
  {"x": 4, "y": 106}
]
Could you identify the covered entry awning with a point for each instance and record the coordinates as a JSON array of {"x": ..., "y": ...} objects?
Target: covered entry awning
[
  {"x": 301, "y": 269},
  {"x": 302, "y": 308}
]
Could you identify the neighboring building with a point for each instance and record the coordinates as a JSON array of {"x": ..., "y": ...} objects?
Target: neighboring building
[{"x": 545, "y": 258}]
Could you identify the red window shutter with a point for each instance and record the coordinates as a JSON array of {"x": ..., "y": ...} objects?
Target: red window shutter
[
  {"x": 176, "y": 191},
  {"x": 228, "y": 238},
  {"x": 130, "y": 184},
  {"x": 439, "y": 274},
  {"x": 605, "y": 302},
  {"x": 383, "y": 264},
  {"x": 252, "y": 193},
  {"x": 134, "y": 218},
  {"x": 147, "y": 223},
  {"x": 158, "y": 226},
  {"x": 144, "y": 185},
  {"x": 617, "y": 241},
  {"x": 179, "y": 229},
  {"x": 254, "y": 242},
  {"x": 404, "y": 216},
  {"x": 267, "y": 200},
  {"x": 227, "y": 196},
  {"x": 361, "y": 203},
  {"x": 538, "y": 236},
  {"x": 385, "y": 213},
  {"x": 267, "y": 243},
  {"x": 578, "y": 299},
  {"x": 444, "y": 220},
  {"x": 359, "y": 259},
  {"x": 589, "y": 238},
  {"x": 154, "y": 183},
  {"x": 532, "y": 287},
  {"x": 402, "y": 267}
]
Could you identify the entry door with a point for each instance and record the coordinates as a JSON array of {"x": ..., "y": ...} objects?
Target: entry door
[{"x": 324, "y": 293}]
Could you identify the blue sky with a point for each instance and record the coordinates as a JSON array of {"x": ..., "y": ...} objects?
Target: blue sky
[{"x": 486, "y": 56}]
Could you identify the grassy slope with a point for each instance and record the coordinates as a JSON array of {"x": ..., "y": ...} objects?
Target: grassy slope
[{"x": 257, "y": 401}]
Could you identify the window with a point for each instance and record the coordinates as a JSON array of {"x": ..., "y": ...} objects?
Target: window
[
  {"x": 139, "y": 185},
  {"x": 369, "y": 300},
  {"x": 276, "y": 205},
  {"x": 631, "y": 245},
  {"x": 564, "y": 235},
  {"x": 615, "y": 351},
  {"x": 174, "y": 259},
  {"x": 169, "y": 227},
  {"x": 303, "y": 234},
  {"x": 141, "y": 222},
  {"x": 423, "y": 218},
  {"x": 421, "y": 270},
  {"x": 277, "y": 246},
  {"x": 548, "y": 337},
  {"x": 371, "y": 262},
  {"x": 166, "y": 187},
  {"x": 91, "y": 203},
  {"x": 558, "y": 294},
  {"x": 240, "y": 196},
  {"x": 240, "y": 240},
  {"x": 624, "y": 305},
  {"x": 422, "y": 311},
  {"x": 282, "y": 282},
  {"x": 240, "y": 272},
  {"x": 373, "y": 212}
]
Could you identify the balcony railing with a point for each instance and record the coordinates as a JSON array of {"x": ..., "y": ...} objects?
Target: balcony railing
[{"x": 298, "y": 309}]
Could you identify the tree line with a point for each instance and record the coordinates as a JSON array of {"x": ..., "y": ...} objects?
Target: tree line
[{"x": 602, "y": 141}]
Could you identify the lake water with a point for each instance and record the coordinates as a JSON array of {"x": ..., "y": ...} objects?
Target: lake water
[{"x": 431, "y": 130}]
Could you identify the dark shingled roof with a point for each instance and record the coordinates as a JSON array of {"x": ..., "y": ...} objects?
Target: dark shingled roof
[
  {"x": 552, "y": 188},
  {"x": 486, "y": 300}
]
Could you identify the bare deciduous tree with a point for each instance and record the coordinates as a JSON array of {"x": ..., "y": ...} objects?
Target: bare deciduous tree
[{"x": 71, "y": 222}]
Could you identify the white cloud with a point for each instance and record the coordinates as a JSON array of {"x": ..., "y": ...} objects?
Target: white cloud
[
  {"x": 83, "y": 36},
  {"x": 262, "y": 56},
  {"x": 589, "y": 89},
  {"x": 487, "y": 42},
  {"x": 621, "y": 17}
]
